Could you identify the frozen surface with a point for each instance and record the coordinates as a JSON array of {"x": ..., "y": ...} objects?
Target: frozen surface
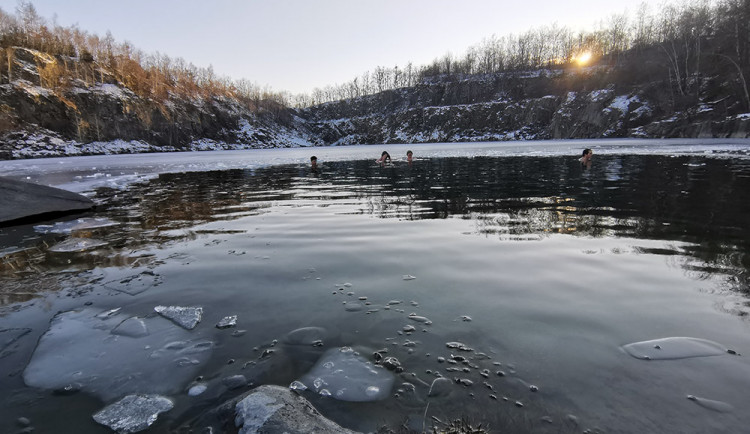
[
  {"x": 674, "y": 348},
  {"x": 111, "y": 354},
  {"x": 343, "y": 374},
  {"x": 133, "y": 413},
  {"x": 86, "y": 173},
  {"x": 187, "y": 317}
]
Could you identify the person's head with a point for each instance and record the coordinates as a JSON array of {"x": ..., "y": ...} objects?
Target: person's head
[
  {"x": 409, "y": 154},
  {"x": 314, "y": 160},
  {"x": 586, "y": 152},
  {"x": 385, "y": 154}
]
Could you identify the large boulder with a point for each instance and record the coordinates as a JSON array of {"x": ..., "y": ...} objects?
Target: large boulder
[
  {"x": 23, "y": 202},
  {"x": 267, "y": 410}
]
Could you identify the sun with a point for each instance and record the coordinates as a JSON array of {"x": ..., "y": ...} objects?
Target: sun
[{"x": 583, "y": 58}]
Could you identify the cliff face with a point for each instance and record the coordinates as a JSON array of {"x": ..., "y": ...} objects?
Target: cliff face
[
  {"x": 100, "y": 115},
  {"x": 518, "y": 106},
  {"x": 80, "y": 117}
]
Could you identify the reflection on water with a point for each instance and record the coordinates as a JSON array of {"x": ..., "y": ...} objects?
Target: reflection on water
[
  {"x": 533, "y": 272},
  {"x": 702, "y": 204}
]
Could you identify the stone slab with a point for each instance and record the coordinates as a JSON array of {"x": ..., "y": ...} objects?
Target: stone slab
[{"x": 23, "y": 202}]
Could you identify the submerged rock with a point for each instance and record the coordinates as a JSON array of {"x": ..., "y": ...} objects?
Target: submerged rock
[
  {"x": 186, "y": 317},
  {"x": 133, "y": 413},
  {"x": 267, "y": 409},
  {"x": 342, "y": 374}
]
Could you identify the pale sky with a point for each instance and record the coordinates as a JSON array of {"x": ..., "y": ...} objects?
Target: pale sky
[{"x": 298, "y": 45}]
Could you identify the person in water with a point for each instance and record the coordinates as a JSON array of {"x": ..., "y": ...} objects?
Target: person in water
[
  {"x": 385, "y": 157},
  {"x": 409, "y": 155},
  {"x": 586, "y": 157},
  {"x": 313, "y": 162}
]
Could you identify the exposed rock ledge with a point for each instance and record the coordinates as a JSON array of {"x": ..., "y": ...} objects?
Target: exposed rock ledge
[
  {"x": 267, "y": 410},
  {"x": 23, "y": 202}
]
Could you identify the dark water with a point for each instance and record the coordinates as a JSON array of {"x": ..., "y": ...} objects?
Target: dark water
[{"x": 544, "y": 268}]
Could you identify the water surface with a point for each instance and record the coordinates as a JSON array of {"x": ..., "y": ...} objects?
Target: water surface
[{"x": 545, "y": 270}]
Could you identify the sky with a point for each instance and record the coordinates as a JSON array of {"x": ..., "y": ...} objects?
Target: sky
[{"x": 298, "y": 45}]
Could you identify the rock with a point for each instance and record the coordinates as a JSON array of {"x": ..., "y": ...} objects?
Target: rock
[
  {"x": 267, "y": 409},
  {"x": 23, "y": 202}
]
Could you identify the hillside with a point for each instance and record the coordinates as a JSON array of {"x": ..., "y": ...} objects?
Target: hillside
[{"x": 678, "y": 74}]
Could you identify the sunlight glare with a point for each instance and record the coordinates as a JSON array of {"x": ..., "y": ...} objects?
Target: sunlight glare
[{"x": 583, "y": 58}]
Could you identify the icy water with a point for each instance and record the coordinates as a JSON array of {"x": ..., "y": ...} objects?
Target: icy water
[{"x": 549, "y": 296}]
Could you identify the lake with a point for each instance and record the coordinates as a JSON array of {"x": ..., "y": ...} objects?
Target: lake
[{"x": 552, "y": 297}]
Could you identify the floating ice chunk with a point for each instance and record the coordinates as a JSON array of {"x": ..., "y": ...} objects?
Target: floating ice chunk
[
  {"x": 187, "y": 317},
  {"x": 346, "y": 376},
  {"x": 197, "y": 389},
  {"x": 674, "y": 348},
  {"x": 74, "y": 245},
  {"x": 81, "y": 349},
  {"x": 133, "y": 413},
  {"x": 721, "y": 407},
  {"x": 227, "y": 321},
  {"x": 83, "y": 224},
  {"x": 458, "y": 346},
  {"x": 417, "y": 318},
  {"x": 408, "y": 277},
  {"x": 131, "y": 327}
]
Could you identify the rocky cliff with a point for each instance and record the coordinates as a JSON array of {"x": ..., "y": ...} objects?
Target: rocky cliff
[
  {"x": 520, "y": 106},
  {"x": 101, "y": 115}
]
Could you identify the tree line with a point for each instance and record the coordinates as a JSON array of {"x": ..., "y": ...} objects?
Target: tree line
[
  {"x": 687, "y": 38},
  {"x": 71, "y": 56}
]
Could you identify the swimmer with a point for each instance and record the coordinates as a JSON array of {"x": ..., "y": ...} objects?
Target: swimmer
[
  {"x": 313, "y": 162},
  {"x": 409, "y": 155},
  {"x": 385, "y": 157},
  {"x": 586, "y": 157}
]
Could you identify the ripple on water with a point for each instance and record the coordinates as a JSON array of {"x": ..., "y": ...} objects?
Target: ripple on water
[
  {"x": 674, "y": 348},
  {"x": 721, "y": 407}
]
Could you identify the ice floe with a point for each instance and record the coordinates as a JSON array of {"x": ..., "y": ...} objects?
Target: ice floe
[
  {"x": 111, "y": 354},
  {"x": 133, "y": 413},
  {"x": 186, "y": 317},
  {"x": 75, "y": 245}
]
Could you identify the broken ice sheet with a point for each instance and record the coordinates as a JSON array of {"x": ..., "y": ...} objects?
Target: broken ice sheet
[
  {"x": 133, "y": 413},
  {"x": 186, "y": 317},
  {"x": 75, "y": 245},
  {"x": 111, "y": 354},
  {"x": 82, "y": 224}
]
